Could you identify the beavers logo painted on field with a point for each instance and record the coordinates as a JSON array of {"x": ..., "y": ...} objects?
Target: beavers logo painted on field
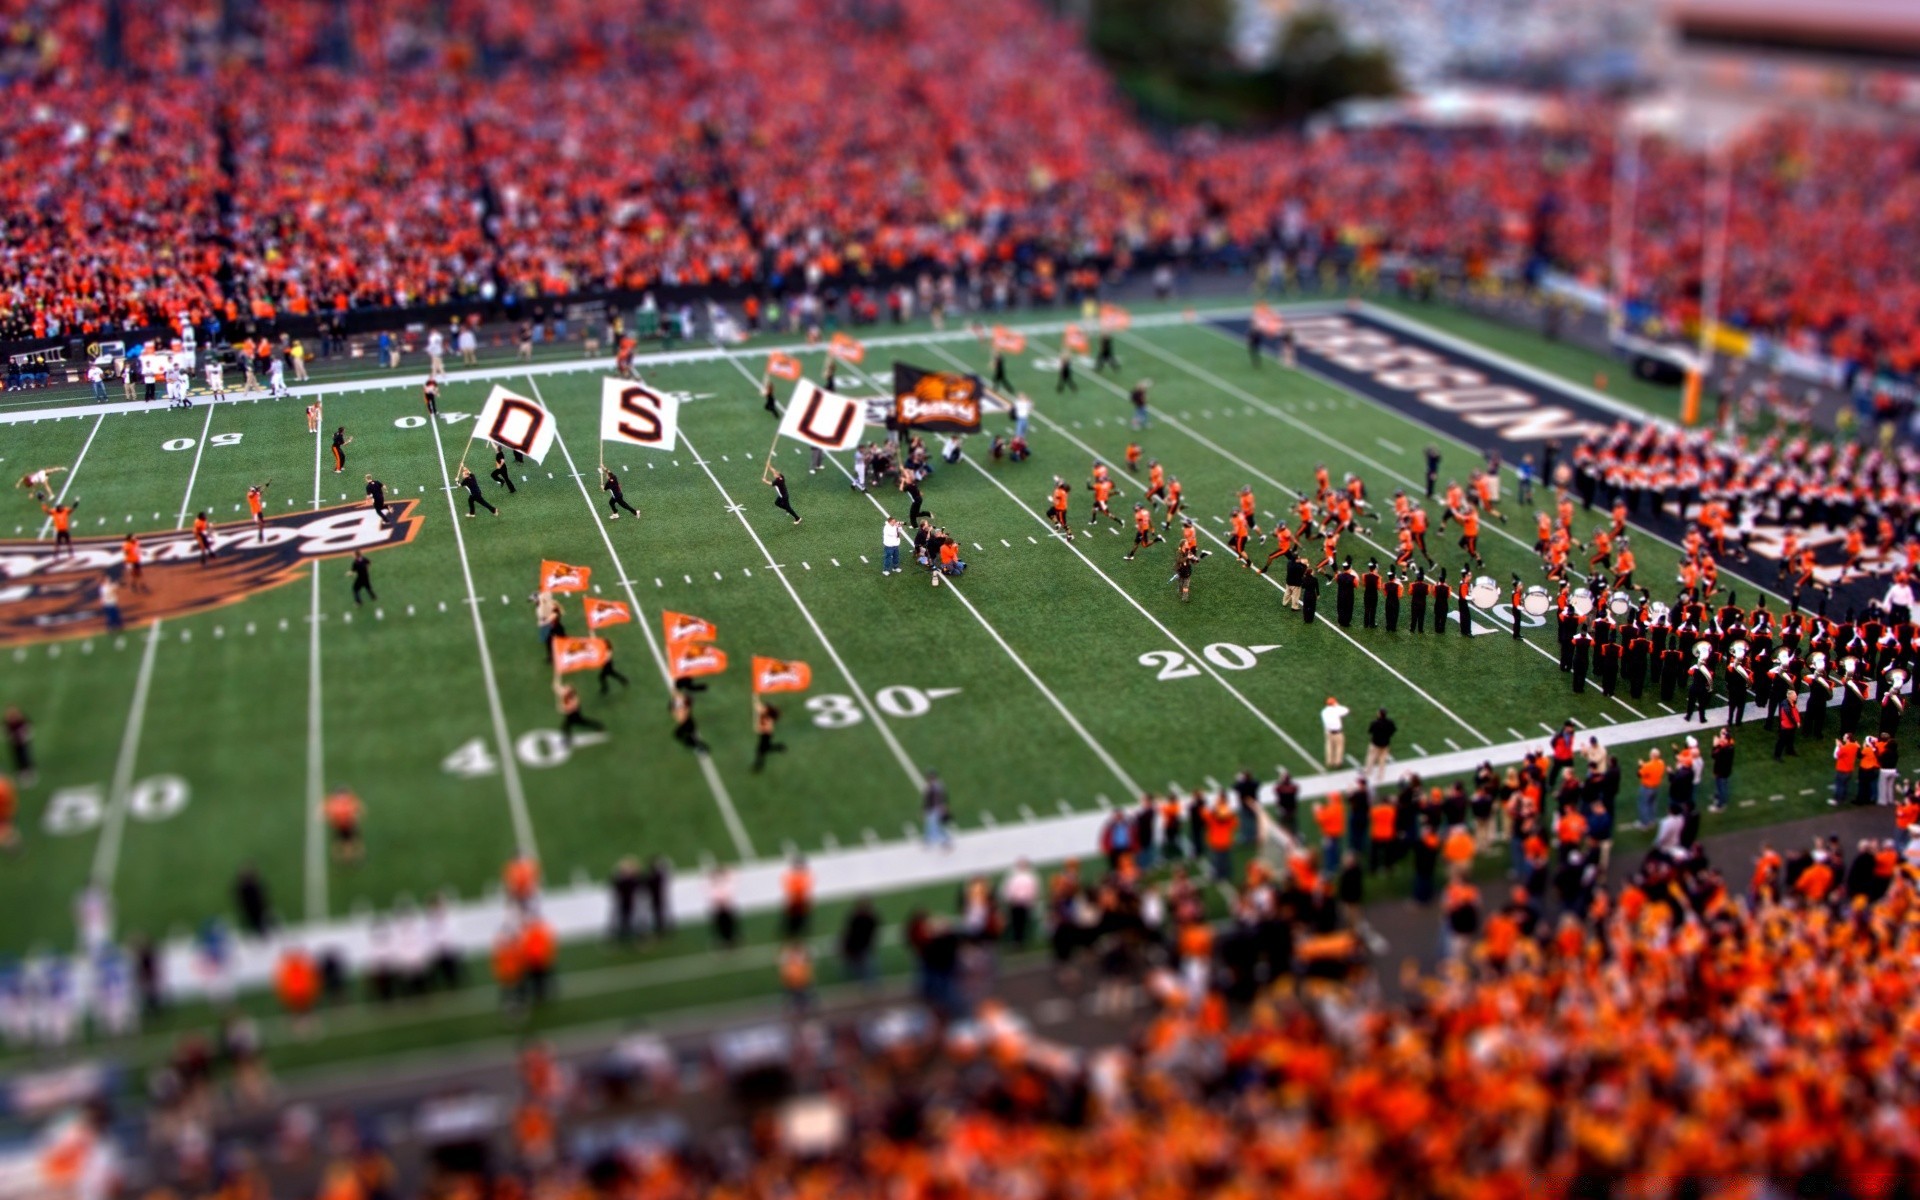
[{"x": 43, "y": 598}]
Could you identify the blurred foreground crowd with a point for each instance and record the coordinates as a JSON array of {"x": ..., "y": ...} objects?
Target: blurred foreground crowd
[
  {"x": 1701, "y": 1029},
  {"x": 297, "y": 158}
]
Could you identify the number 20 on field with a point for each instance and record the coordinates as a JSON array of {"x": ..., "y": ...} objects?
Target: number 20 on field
[{"x": 1228, "y": 656}]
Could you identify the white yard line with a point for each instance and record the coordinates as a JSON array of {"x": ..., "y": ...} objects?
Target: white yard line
[
  {"x": 316, "y": 858},
  {"x": 509, "y": 766},
  {"x": 61, "y": 496},
  {"x": 199, "y": 448},
  {"x": 1066, "y": 714},
  {"x": 859, "y": 693},
  {"x": 1268, "y": 479},
  {"x": 113, "y": 823},
  {"x": 742, "y": 844},
  {"x": 1224, "y": 385}
]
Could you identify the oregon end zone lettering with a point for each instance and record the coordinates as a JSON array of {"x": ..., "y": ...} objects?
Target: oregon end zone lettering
[
  {"x": 46, "y": 594},
  {"x": 1472, "y": 399}
]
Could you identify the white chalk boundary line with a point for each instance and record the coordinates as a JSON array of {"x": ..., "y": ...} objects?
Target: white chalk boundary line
[
  {"x": 736, "y": 829},
  {"x": 113, "y": 822},
  {"x": 606, "y": 363},
  {"x": 584, "y": 911}
]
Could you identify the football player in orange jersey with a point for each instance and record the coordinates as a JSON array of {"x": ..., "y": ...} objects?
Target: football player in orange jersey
[
  {"x": 1238, "y": 540},
  {"x": 1174, "y": 503},
  {"x": 1156, "y": 482},
  {"x": 1057, "y": 510},
  {"x": 257, "y": 503},
  {"x": 1102, "y": 490},
  {"x": 1283, "y": 544},
  {"x": 130, "y": 556},
  {"x": 202, "y": 537},
  {"x": 1143, "y": 534}
]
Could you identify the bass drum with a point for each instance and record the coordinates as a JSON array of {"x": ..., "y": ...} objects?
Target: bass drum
[
  {"x": 1485, "y": 593},
  {"x": 1620, "y": 604},
  {"x": 1537, "y": 601},
  {"x": 1582, "y": 601}
]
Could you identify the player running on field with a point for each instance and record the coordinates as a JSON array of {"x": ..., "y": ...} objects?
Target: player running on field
[
  {"x": 257, "y": 505},
  {"x": 1174, "y": 503},
  {"x": 616, "y": 499},
  {"x": 1283, "y": 545},
  {"x": 500, "y": 474},
  {"x": 1156, "y": 482},
  {"x": 469, "y": 481},
  {"x": 430, "y": 396},
  {"x": 1238, "y": 540},
  {"x": 377, "y": 499},
  {"x": 1102, "y": 490},
  {"x": 1143, "y": 534},
  {"x": 1057, "y": 507},
  {"x": 203, "y": 537}
]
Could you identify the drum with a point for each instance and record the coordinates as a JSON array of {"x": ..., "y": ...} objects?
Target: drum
[
  {"x": 1537, "y": 601},
  {"x": 1658, "y": 611},
  {"x": 1582, "y": 601},
  {"x": 1620, "y": 605},
  {"x": 1485, "y": 593}
]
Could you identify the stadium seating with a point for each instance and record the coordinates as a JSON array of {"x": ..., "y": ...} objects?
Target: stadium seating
[{"x": 298, "y": 157}]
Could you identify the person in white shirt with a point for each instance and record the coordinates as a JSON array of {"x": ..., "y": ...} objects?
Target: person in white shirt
[
  {"x": 98, "y": 378},
  {"x": 1899, "y": 600},
  {"x": 277, "y": 376},
  {"x": 1020, "y": 892},
  {"x": 890, "y": 547},
  {"x": 216, "y": 380},
  {"x": 436, "y": 350},
  {"x": 469, "y": 346},
  {"x": 1332, "y": 720}
]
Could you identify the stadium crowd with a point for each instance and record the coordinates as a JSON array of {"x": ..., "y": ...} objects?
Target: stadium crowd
[
  {"x": 295, "y": 158},
  {"x": 1700, "y": 1029}
]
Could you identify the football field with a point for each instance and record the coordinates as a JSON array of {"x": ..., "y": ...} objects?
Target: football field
[{"x": 1053, "y": 677}]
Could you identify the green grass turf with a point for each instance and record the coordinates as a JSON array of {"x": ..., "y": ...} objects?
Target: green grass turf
[{"x": 228, "y": 711}]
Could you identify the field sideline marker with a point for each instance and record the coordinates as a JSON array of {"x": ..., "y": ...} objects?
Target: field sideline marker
[
  {"x": 728, "y": 814},
  {"x": 316, "y": 858}
]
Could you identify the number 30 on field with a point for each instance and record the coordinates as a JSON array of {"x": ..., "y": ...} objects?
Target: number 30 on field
[{"x": 1228, "y": 656}]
